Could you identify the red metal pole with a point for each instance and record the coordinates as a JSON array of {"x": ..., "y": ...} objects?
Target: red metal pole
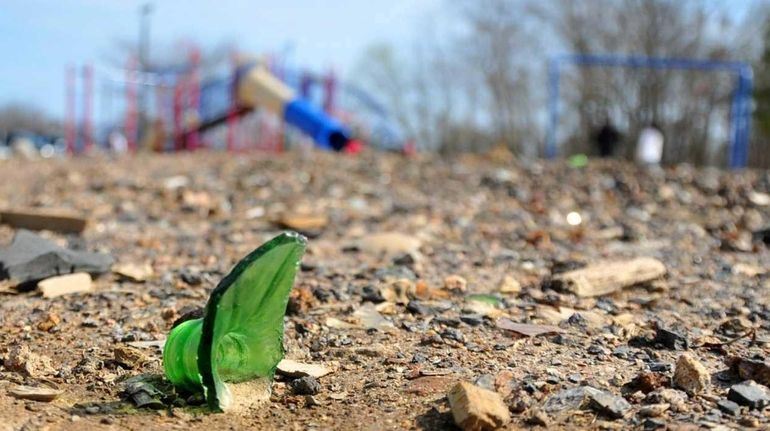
[
  {"x": 178, "y": 113},
  {"x": 160, "y": 125},
  {"x": 233, "y": 113},
  {"x": 195, "y": 94},
  {"x": 88, "y": 94},
  {"x": 69, "y": 124},
  {"x": 131, "y": 106}
]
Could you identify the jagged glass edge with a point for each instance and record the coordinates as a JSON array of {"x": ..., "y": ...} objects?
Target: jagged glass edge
[{"x": 205, "y": 364}]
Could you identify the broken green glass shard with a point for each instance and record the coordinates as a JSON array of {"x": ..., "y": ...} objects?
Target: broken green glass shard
[{"x": 240, "y": 337}]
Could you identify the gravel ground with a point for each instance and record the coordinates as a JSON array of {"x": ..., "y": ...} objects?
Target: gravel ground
[{"x": 394, "y": 315}]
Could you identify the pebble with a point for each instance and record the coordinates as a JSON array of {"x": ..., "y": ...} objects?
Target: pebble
[
  {"x": 749, "y": 393},
  {"x": 690, "y": 375},
  {"x": 476, "y": 409},
  {"x": 730, "y": 407},
  {"x": 307, "y": 385}
]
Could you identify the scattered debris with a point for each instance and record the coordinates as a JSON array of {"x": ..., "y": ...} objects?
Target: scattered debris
[
  {"x": 307, "y": 385},
  {"x": 39, "y": 219},
  {"x": 288, "y": 367},
  {"x": 31, "y": 258},
  {"x": 528, "y": 330},
  {"x": 649, "y": 381},
  {"x": 65, "y": 285},
  {"x": 147, "y": 391},
  {"x": 690, "y": 375},
  {"x": 34, "y": 393},
  {"x": 608, "y": 277},
  {"x": 22, "y": 360},
  {"x": 370, "y": 318},
  {"x": 749, "y": 393},
  {"x": 476, "y": 409},
  {"x": 51, "y": 321},
  {"x": 133, "y": 271}
]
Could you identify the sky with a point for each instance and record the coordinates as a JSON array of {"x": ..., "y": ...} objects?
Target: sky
[{"x": 40, "y": 38}]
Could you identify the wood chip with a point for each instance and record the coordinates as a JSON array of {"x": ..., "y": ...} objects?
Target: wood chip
[
  {"x": 526, "y": 329},
  {"x": 65, "y": 285},
  {"x": 608, "y": 277},
  {"x": 291, "y": 368},
  {"x": 476, "y": 409},
  {"x": 303, "y": 222},
  {"x": 389, "y": 243},
  {"x": 53, "y": 220},
  {"x": 134, "y": 272},
  {"x": 34, "y": 393}
]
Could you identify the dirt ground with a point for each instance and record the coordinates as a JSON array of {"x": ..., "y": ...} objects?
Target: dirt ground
[{"x": 383, "y": 315}]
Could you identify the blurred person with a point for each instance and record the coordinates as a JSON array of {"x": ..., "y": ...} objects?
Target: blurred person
[
  {"x": 649, "y": 147},
  {"x": 607, "y": 139}
]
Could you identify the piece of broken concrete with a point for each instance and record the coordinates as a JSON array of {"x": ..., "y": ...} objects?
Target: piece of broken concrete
[
  {"x": 607, "y": 277},
  {"x": 31, "y": 258},
  {"x": 40, "y": 219},
  {"x": 476, "y": 409},
  {"x": 291, "y": 368},
  {"x": 65, "y": 285},
  {"x": 34, "y": 393},
  {"x": 690, "y": 375}
]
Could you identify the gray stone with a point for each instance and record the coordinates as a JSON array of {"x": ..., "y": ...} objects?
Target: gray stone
[
  {"x": 307, "y": 385},
  {"x": 729, "y": 407},
  {"x": 671, "y": 339},
  {"x": 486, "y": 381},
  {"x": 608, "y": 404},
  {"x": 749, "y": 393},
  {"x": 31, "y": 258}
]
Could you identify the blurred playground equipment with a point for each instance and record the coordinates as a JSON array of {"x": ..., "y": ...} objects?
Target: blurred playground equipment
[
  {"x": 246, "y": 105},
  {"x": 740, "y": 108}
]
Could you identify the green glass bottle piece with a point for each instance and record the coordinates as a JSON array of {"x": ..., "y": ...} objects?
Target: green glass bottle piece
[{"x": 240, "y": 337}]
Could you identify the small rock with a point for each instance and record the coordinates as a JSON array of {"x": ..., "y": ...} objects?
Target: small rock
[
  {"x": 749, "y": 393},
  {"x": 65, "y": 284},
  {"x": 538, "y": 417},
  {"x": 485, "y": 381},
  {"x": 653, "y": 424},
  {"x": 288, "y": 367},
  {"x": 749, "y": 422},
  {"x": 23, "y": 361},
  {"x": 307, "y": 385},
  {"x": 31, "y": 258},
  {"x": 750, "y": 369},
  {"x": 653, "y": 410},
  {"x": 690, "y": 375},
  {"x": 472, "y": 319},
  {"x": 510, "y": 285},
  {"x": 608, "y": 404},
  {"x": 389, "y": 244},
  {"x": 730, "y": 407},
  {"x": 648, "y": 381},
  {"x": 51, "y": 321},
  {"x": 671, "y": 339},
  {"x": 129, "y": 357},
  {"x": 133, "y": 272},
  {"x": 566, "y": 400},
  {"x": 476, "y": 409},
  {"x": 34, "y": 393},
  {"x": 455, "y": 283}
]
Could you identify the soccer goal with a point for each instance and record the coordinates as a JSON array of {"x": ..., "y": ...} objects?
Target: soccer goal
[{"x": 740, "y": 107}]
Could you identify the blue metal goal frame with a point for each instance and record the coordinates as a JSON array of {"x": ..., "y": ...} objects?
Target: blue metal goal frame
[{"x": 740, "y": 121}]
